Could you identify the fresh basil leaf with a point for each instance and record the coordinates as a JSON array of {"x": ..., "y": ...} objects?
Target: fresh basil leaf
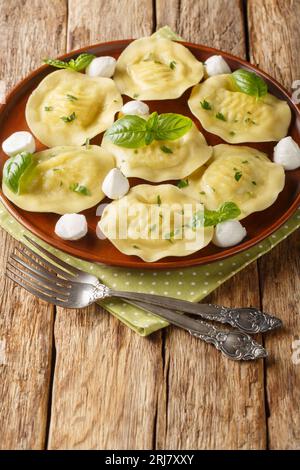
[
  {"x": 79, "y": 188},
  {"x": 15, "y": 168},
  {"x": 183, "y": 183},
  {"x": 250, "y": 83},
  {"x": 78, "y": 64},
  {"x": 82, "y": 61},
  {"x": 172, "y": 126},
  {"x": 228, "y": 210},
  {"x": 128, "y": 132},
  {"x": 208, "y": 218},
  {"x": 151, "y": 126},
  {"x": 132, "y": 131},
  {"x": 59, "y": 64}
]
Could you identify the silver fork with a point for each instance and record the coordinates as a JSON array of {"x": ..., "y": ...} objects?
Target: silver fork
[
  {"x": 250, "y": 320},
  {"x": 57, "y": 286}
]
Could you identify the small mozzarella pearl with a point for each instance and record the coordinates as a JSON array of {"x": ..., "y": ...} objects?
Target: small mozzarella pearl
[
  {"x": 115, "y": 184},
  {"x": 101, "y": 67},
  {"x": 135, "y": 108},
  {"x": 99, "y": 232},
  {"x": 216, "y": 65},
  {"x": 287, "y": 153},
  {"x": 71, "y": 226},
  {"x": 228, "y": 233},
  {"x": 18, "y": 142}
]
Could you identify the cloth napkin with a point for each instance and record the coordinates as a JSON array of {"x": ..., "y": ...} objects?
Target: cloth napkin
[{"x": 188, "y": 283}]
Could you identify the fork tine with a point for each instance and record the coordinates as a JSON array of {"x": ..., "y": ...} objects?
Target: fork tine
[
  {"x": 52, "y": 266},
  {"x": 32, "y": 283},
  {"x": 35, "y": 292},
  {"x": 35, "y": 274},
  {"x": 53, "y": 257},
  {"x": 39, "y": 268}
]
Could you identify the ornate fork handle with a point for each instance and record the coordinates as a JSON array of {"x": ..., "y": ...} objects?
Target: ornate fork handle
[
  {"x": 249, "y": 320},
  {"x": 235, "y": 345}
]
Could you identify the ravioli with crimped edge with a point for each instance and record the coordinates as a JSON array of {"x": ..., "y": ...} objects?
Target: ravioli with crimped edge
[
  {"x": 69, "y": 107},
  {"x": 154, "y": 68},
  {"x": 239, "y": 174},
  {"x": 238, "y": 117},
  {"x": 62, "y": 180},
  {"x": 162, "y": 160},
  {"x": 138, "y": 224}
]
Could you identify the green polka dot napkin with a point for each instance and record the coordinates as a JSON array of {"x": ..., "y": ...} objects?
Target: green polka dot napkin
[{"x": 188, "y": 283}]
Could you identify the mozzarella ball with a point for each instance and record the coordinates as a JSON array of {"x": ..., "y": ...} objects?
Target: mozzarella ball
[
  {"x": 228, "y": 233},
  {"x": 216, "y": 65},
  {"x": 287, "y": 153},
  {"x": 18, "y": 142},
  {"x": 99, "y": 232},
  {"x": 71, "y": 226},
  {"x": 135, "y": 108},
  {"x": 101, "y": 67},
  {"x": 115, "y": 184}
]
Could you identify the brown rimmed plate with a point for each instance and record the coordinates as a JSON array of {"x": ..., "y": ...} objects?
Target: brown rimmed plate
[{"x": 259, "y": 225}]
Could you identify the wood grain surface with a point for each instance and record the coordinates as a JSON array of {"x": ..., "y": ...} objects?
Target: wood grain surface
[
  {"x": 82, "y": 380},
  {"x": 275, "y": 44}
]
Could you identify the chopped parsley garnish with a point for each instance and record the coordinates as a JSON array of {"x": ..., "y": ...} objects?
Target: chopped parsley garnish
[
  {"x": 69, "y": 118},
  {"x": 136, "y": 247},
  {"x": 172, "y": 64},
  {"x": 165, "y": 149},
  {"x": 136, "y": 151},
  {"x": 232, "y": 133},
  {"x": 48, "y": 108},
  {"x": 254, "y": 182},
  {"x": 202, "y": 192},
  {"x": 221, "y": 117},
  {"x": 249, "y": 121},
  {"x": 183, "y": 183},
  {"x": 71, "y": 97},
  {"x": 245, "y": 161},
  {"x": 79, "y": 188},
  {"x": 136, "y": 95},
  {"x": 152, "y": 228},
  {"x": 205, "y": 105},
  {"x": 238, "y": 175},
  {"x": 158, "y": 200}
]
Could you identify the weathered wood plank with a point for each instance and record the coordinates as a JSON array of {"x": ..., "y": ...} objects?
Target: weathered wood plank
[
  {"x": 213, "y": 23},
  {"x": 106, "y": 377},
  {"x": 275, "y": 43},
  {"x": 26, "y": 324},
  {"x": 210, "y": 402}
]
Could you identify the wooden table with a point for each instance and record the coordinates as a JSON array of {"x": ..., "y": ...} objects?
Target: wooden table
[{"x": 83, "y": 380}]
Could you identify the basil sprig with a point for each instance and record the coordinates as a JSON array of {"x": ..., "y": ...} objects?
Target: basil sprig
[
  {"x": 250, "y": 83},
  {"x": 14, "y": 170},
  {"x": 208, "y": 218},
  {"x": 78, "y": 64},
  {"x": 133, "y": 131}
]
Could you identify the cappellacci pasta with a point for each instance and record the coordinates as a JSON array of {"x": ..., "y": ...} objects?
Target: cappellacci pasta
[
  {"x": 239, "y": 174},
  {"x": 149, "y": 223},
  {"x": 154, "y": 68},
  {"x": 238, "y": 117},
  {"x": 69, "y": 107},
  {"x": 63, "y": 180},
  {"x": 162, "y": 160}
]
